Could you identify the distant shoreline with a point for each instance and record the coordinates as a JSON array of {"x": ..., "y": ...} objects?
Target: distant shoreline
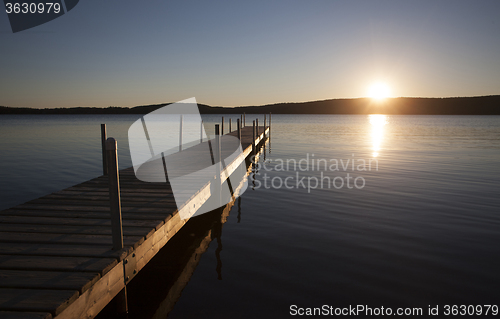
[{"x": 480, "y": 105}]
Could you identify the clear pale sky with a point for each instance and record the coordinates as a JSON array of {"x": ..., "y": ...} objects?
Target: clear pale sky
[{"x": 232, "y": 53}]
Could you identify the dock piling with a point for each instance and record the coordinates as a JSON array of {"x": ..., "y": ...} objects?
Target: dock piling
[
  {"x": 222, "y": 127},
  {"x": 114, "y": 194},
  {"x": 269, "y": 124},
  {"x": 253, "y": 137},
  {"x": 229, "y": 125},
  {"x": 244, "y": 119},
  {"x": 257, "y": 127},
  {"x": 103, "y": 145},
  {"x": 217, "y": 160},
  {"x": 264, "y": 126},
  {"x": 238, "y": 125}
]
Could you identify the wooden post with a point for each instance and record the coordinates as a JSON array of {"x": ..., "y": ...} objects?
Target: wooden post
[
  {"x": 222, "y": 127},
  {"x": 180, "y": 134},
  {"x": 229, "y": 125},
  {"x": 257, "y": 127},
  {"x": 269, "y": 125},
  {"x": 253, "y": 139},
  {"x": 241, "y": 120},
  {"x": 114, "y": 194},
  {"x": 116, "y": 213},
  {"x": 103, "y": 145},
  {"x": 264, "y": 128},
  {"x": 238, "y": 125},
  {"x": 244, "y": 119},
  {"x": 217, "y": 160}
]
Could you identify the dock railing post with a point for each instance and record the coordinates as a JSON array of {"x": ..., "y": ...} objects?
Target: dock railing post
[
  {"x": 116, "y": 212},
  {"x": 217, "y": 160},
  {"x": 229, "y": 125},
  {"x": 238, "y": 125},
  {"x": 244, "y": 119},
  {"x": 253, "y": 139},
  {"x": 241, "y": 120},
  {"x": 269, "y": 124},
  {"x": 103, "y": 145},
  {"x": 180, "y": 134},
  {"x": 222, "y": 127},
  {"x": 264, "y": 127},
  {"x": 257, "y": 127},
  {"x": 114, "y": 194}
]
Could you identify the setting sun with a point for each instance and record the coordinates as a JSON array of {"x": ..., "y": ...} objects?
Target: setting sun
[{"x": 379, "y": 91}]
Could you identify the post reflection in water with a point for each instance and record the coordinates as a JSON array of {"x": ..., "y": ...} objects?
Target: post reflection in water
[
  {"x": 239, "y": 210},
  {"x": 172, "y": 268},
  {"x": 217, "y": 234},
  {"x": 377, "y": 121}
]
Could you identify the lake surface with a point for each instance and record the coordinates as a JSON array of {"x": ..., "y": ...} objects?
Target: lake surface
[{"x": 417, "y": 225}]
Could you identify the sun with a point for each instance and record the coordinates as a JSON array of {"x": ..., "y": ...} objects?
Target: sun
[{"x": 379, "y": 91}]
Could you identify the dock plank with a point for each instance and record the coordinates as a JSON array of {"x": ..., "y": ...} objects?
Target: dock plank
[
  {"x": 74, "y": 239},
  {"x": 77, "y": 222},
  {"x": 52, "y": 301},
  {"x": 70, "y": 229},
  {"x": 82, "y": 214},
  {"x": 157, "y": 203},
  {"x": 64, "y": 250},
  {"x": 166, "y": 209},
  {"x": 80, "y": 281},
  {"x": 77, "y": 264},
  {"x": 24, "y": 315}
]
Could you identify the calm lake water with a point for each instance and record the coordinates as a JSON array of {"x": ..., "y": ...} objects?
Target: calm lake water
[{"x": 417, "y": 225}]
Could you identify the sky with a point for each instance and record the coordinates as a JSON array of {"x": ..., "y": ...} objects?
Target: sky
[{"x": 234, "y": 53}]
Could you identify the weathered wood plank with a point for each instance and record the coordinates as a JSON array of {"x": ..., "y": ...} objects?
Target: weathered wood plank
[
  {"x": 91, "y": 302},
  {"x": 101, "y": 195},
  {"x": 83, "y": 214},
  {"x": 64, "y": 250},
  {"x": 77, "y": 222},
  {"x": 53, "y": 301},
  {"x": 159, "y": 203},
  {"x": 78, "y": 264},
  {"x": 166, "y": 209},
  {"x": 105, "y": 190},
  {"x": 24, "y": 315},
  {"x": 74, "y": 239},
  {"x": 69, "y": 229},
  {"x": 80, "y": 281}
]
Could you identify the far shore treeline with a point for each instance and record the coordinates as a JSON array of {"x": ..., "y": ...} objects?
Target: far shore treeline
[{"x": 480, "y": 105}]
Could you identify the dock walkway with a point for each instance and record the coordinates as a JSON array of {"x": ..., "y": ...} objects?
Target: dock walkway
[{"x": 56, "y": 256}]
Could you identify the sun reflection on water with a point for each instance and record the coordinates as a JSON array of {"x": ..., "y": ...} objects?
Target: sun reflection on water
[{"x": 378, "y": 121}]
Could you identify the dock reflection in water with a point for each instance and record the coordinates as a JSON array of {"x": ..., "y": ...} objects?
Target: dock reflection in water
[{"x": 155, "y": 290}]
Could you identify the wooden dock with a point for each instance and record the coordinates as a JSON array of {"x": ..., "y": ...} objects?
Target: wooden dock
[{"x": 56, "y": 252}]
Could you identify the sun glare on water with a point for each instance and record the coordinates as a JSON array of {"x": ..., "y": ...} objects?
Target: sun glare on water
[
  {"x": 379, "y": 91},
  {"x": 377, "y": 121}
]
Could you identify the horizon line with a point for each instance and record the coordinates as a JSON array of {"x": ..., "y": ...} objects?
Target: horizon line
[{"x": 242, "y": 106}]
